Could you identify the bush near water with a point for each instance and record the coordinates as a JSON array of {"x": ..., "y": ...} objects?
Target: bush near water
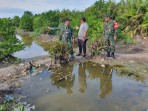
[{"x": 8, "y": 41}]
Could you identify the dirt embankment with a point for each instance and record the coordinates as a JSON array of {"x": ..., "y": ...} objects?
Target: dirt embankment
[
  {"x": 129, "y": 58},
  {"x": 10, "y": 76},
  {"x": 137, "y": 53}
]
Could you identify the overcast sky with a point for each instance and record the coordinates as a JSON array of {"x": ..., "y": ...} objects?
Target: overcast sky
[{"x": 10, "y": 8}]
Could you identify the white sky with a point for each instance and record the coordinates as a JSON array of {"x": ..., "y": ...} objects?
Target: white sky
[{"x": 10, "y": 8}]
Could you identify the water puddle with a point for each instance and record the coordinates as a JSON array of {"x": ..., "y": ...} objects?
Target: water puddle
[
  {"x": 85, "y": 87},
  {"x": 31, "y": 50}
]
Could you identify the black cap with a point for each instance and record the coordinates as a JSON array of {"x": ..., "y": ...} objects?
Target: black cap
[
  {"x": 84, "y": 19},
  {"x": 66, "y": 19},
  {"x": 107, "y": 16}
]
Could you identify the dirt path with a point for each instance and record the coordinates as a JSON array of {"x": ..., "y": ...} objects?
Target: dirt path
[
  {"x": 140, "y": 57},
  {"x": 138, "y": 52}
]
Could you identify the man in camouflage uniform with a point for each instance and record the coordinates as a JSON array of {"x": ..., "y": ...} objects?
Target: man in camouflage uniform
[
  {"x": 66, "y": 35},
  {"x": 109, "y": 34}
]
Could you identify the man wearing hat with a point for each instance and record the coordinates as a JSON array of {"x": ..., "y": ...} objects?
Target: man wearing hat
[
  {"x": 109, "y": 34},
  {"x": 82, "y": 37},
  {"x": 66, "y": 35}
]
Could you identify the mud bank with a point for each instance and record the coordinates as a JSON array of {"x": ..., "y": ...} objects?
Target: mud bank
[
  {"x": 12, "y": 76},
  {"x": 129, "y": 58}
]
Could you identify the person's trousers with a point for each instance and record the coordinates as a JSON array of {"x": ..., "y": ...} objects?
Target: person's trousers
[
  {"x": 109, "y": 44},
  {"x": 70, "y": 47},
  {"x": 82, "y": 45}
]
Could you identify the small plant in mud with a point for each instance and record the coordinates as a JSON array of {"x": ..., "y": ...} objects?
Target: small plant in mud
[
  {"x": 10, "y": 105},
  {"x": 96, "y": 47},
  {"x": 58, "y": 50}
]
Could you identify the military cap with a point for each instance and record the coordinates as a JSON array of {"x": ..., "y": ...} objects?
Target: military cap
[
  {"x": 107, "y": 16},
  {"x": 67, "y": 19}
]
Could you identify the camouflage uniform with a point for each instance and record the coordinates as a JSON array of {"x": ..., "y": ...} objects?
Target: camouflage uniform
[
  {"x": 109, "y": 33},
  {"x": 66, "y": 35}
]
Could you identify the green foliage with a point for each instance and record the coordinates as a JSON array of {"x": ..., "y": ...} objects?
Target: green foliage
[
  {"x": 37, "y": 23},
  {"x": 8, "y": 41},
  {"x": 10, "y": 105},
  {"x": 41, "y": 22},
  {"x": 58, "y": 48},
  {"x": 96, "y": 47},
  {"x": 130, "y": 14},
  {"x": 16, "y": 21},
  {"x": 44, "y": 30},
  {"x": 133, "y": 15},
  {"x": 35, "y": 33},
  {"x": 26, "y": 21}
]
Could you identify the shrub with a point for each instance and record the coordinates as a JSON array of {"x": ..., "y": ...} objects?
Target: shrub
[{"x": 8, "y": 41}]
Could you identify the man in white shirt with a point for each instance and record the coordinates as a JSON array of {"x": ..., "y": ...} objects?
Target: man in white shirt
[{"x": 82, "y": 37}]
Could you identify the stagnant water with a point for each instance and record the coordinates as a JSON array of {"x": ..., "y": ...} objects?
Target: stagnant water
[
  {"x": 31, "y": 50},
  {"x": 88, "y": 87}
]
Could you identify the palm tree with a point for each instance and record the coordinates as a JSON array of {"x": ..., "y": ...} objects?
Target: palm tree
[{"x": 134, "y": 16}]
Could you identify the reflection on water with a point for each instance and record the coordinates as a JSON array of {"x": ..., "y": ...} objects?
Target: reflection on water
[
  {"x": 105, "y": 85},
  {"x": 67, "y": 82},
  {"x": 32, "y": 48},
  {"x": 82, "y": 78},
  {"x": 27, "y": 40},
  {"x": 88, "y": 87}
]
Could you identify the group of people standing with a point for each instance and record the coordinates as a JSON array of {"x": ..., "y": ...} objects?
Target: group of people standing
[{"x": 67, "y": 35}]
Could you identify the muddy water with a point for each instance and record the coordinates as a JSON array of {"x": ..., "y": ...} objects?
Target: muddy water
[
  {"x": 31, "y": 50},
  {"x": 88, "y": 87}
]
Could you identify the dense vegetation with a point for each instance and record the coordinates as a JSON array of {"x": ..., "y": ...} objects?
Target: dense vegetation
[
  {"x": 8, "y": 41},
  {"x": 26, "y": 21},
  {"x": 132, "y": 16}
]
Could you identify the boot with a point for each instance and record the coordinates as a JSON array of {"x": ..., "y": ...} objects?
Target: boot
[
  {"x": 71, "y": 58},
  {"x": 79, "y": 54},
  {"x": 108, "y": 54},
  {"x": 113, "y": 55}
]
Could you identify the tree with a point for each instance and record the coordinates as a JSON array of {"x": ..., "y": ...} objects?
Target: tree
[
  {"x": 26, "y": 22},
  {"x": 16, "y": 21},
  {"x": 130, "y": 14},
  {"x": 133, "y": 17},
  {"x": 42, "y": 21},
  {"x": 8, "y": 41}
]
